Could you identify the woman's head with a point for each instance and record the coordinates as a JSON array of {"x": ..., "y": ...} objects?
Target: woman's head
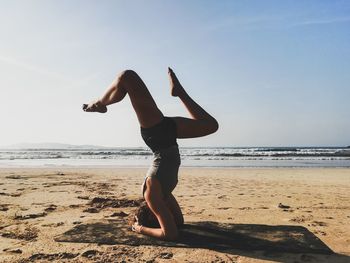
[{"x": 145, "y": 216}]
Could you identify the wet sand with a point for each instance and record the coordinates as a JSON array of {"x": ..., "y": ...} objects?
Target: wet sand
[{"x": 39, "y": 205}]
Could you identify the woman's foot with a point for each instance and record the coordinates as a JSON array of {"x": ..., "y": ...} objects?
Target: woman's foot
[
  {"x": 176, "y": 89},
  {"x": 95, "y": 106}
]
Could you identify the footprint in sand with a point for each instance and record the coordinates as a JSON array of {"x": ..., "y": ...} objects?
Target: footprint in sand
[
  {"x": 320, "y": 232},
  {"x": 318, "y": 223},
  {"x": 166, "y": 255},
  {"x": 280, "y": 205},
  {"x": 245, "y": 208},
  {"x": 50, "y": 208},
  {"x": 52, "y": 257},
  {"x": 29, "y": 216},
  {"x": 224, "y": 208},
  {"x": 301, "y": 219},
  {"x": 190, "y": 212},
  {"x": 90, "y": 254},
  {"x": 91, "y": 210},
  {"x": 74, "y": 206},
  {"x": 83, "y": 197},
  {"x": 120, "y": 214},
  {"x": 13, "y": 250},
  {"x": 263, "y": 207},
  {"x": 102, "y": 202},
  {"x": 28, "y": 234},
  {"x": 11, "y": 194},
  {"x": 16, "y": 177},
  {"x": 4, "y": 207},
  {"x": 15, "y": 194},
  {"x": 53, "y": 224}
]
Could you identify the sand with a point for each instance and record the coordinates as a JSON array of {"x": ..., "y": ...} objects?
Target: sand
[{"x": 39, "y": 206}]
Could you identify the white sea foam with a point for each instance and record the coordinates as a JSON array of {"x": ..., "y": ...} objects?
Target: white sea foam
[{"x": 213, "y": 156}]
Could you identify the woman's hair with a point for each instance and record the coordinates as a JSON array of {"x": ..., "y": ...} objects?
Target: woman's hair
[{"x": 145, "y": 216}]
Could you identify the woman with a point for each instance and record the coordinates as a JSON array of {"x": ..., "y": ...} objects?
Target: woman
[{"x": 160, "y": 134}]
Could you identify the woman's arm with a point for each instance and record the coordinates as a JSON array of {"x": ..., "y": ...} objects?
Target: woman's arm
[
  {"x": 153, "y": 232},
  {"x": 160, "y": 233},
  {"x": 168, "y": 229},
  {"x": 175, "y": 209},
  {"x": 153, "y": 196}
]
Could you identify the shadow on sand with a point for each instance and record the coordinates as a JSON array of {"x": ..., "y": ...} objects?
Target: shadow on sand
[{"x": 238, "y": 239}]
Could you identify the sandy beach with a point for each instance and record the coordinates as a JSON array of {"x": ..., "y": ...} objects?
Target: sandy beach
[{"x": 233, "y": 215}]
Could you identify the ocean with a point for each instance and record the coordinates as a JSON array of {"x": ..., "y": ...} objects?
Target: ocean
[{"x": 190, "y": 157}]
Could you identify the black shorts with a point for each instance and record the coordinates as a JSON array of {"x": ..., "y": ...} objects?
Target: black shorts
[{"x": 160, "y": 136}]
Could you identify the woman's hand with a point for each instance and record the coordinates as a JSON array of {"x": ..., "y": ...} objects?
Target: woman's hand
[{"x": 136, "y": 227}]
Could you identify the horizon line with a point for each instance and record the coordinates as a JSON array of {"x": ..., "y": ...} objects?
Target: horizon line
[{"x": 69, "y": 145}]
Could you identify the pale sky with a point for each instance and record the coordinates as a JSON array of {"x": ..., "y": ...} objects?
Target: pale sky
[{"x": 274, "y": 73}]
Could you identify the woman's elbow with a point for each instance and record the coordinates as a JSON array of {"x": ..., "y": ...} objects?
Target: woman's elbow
[
  {"x": 180, "y": 221},
  {"x": 170, "y": 235}
]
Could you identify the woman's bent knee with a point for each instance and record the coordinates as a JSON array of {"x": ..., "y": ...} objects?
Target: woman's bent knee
[
  {"x": 128, "y": 74},
  {"x": 214, "y": 126}
]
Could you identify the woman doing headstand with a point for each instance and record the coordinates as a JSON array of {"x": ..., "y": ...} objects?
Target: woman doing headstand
[{"x": 160, "y": 134}]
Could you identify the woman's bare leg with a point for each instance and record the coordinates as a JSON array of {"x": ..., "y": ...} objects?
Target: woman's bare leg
[
  {"x": 128, "y": 82},
  {"x": 201, "y": 124}
]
